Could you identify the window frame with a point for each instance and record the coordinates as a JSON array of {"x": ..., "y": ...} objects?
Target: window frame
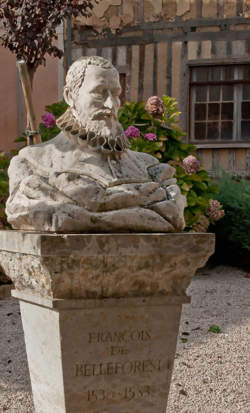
[{"x": 208, "y": 63}]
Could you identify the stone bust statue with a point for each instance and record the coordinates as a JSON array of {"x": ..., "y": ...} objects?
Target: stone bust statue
[{"x": 86, "y": 179}]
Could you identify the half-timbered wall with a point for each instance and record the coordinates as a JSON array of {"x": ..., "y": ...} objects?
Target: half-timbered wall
[{"x": 155, "y": 43}]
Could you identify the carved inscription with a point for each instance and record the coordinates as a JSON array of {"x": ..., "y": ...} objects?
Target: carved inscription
[
  {"x": 127, "y": 394},
  {"x": 115, "y": 350},
  {"x": 119, "y": 343},
  {"x": 116, "y": 368},
  {"x": 119, "y": 337}
]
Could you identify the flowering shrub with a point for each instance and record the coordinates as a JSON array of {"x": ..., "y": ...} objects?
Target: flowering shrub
[
  {"x": 153, "y": 129},
  {"x": 150, "y": 137},
  {"x": 191, "y": 165},
  {"x": 48, "y": 128},
  {"x": 161, "y": 137},
  {"x": 215, "y": 211},
  {"x": 48, "y": 120},
  {"x": 155, "y": 106},
  {"x": 132, "y": 132}
]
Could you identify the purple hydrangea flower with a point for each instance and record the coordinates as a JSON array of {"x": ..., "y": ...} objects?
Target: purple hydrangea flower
[
  {"x": 191, "y": 165},
  {"x": 150, "y": 137},
  {"x": 49, "y": 120},
  {"x": 132, "y": 132}
]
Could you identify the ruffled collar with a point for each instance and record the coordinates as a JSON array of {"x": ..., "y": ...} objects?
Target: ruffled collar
[{"x": 71, "y": 126}]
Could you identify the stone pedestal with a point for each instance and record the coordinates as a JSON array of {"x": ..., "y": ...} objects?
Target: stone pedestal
[{"x": 101, "y": 315}]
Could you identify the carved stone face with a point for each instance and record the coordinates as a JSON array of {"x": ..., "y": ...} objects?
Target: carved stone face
[
  {"x": 98, "y": 96},
  {"x": 91, "y": 118}
]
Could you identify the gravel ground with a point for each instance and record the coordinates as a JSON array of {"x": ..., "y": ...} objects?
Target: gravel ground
[{"x": 212, "y": 371}]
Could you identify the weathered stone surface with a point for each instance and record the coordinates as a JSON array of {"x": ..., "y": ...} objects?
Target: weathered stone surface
[
  {"x": 98, "y": 266},
  {"x": 86, "y": 179},
  {"x": 113, "y": 356},
  {"x": 100, "y": 314}
]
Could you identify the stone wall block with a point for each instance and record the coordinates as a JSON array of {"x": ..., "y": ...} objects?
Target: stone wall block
[{"x": 98, "y": 266}]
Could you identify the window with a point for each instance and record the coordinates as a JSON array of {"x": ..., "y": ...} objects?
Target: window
[{"x": 220, "y": 103}]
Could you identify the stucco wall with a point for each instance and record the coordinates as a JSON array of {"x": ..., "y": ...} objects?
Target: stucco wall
[{"x": 45, "y": 92}]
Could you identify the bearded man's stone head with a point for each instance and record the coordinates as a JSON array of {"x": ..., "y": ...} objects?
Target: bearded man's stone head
[{"x": 92, "y": 92}]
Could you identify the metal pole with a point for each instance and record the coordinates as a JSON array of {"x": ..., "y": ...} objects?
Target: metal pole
[
  {"x": 68, "y": 44},
  {"x": 27, "y": 94},
  {"x": 19, "y": 105}
]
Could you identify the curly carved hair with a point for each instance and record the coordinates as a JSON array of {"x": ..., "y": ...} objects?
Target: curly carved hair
[{"x": 77, "y": 70}]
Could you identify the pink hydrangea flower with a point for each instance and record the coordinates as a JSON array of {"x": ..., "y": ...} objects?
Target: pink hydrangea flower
[
  {"x": 191, "y": 165},
  {"x": 150, "y": 137},
  {"x": 215, "y": 211},
  {"x": 155, "y": 106},
  {"x": 132, "y": 132},
  {"x": 49, "y": 120}
]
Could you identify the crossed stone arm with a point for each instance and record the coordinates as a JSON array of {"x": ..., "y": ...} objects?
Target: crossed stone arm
[{"x": 69, "y": 202}]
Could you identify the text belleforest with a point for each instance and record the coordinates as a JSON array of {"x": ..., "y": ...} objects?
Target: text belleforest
[{"x": 115, "y": 368}]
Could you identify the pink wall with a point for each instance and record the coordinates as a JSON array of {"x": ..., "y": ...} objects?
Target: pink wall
[{"x": 45, "y": 91}]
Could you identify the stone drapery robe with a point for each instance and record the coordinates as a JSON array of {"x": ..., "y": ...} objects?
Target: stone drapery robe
[{"x": 59, "y": 186}]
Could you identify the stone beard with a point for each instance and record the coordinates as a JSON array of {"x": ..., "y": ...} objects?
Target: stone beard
[
  {"x": 102, "y": 132},
  {"x": 86, "y": 179}
]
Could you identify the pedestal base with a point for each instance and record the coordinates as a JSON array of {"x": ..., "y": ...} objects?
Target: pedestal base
[
  {"x": 113, "y": 355},
  {"x": 101, "y": 315}
]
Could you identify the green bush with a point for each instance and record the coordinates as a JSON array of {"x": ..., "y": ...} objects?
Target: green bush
[
  {"x": 233, "y": 232},
  {"x": 169, "y": 147}
]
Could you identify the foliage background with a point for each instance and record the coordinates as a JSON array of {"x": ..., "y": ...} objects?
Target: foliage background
[
  {"x": 233, "y": 232},
  {"x": 197, "y": 187}
]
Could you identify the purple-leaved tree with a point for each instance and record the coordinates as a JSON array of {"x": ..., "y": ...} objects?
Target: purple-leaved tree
[{"x": 29, "y": 31}]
